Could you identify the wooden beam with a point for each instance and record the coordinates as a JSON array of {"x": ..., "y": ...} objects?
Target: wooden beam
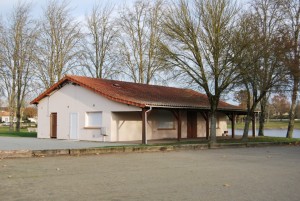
[
  {"x": 206, "y": 118},
  {"x": 175, "y": 113},
  {"x": 229, "y": 116},
  {"x": 178, "y": 125},
  {"x": 207, "y": 127},
  {"x": 233, "y": 125},
  {"x": 253, "y": 125},
  {"x": 144, "y": 124},
  {"x": 177, "y": 116}
]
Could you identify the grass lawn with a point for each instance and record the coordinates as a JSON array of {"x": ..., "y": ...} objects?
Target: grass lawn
[
  {"x": 219, "y": 140},
  {"x": 4, "y": 131},
  {"x": 260, "y": 139},
  {"x": 269, "y": 125}
]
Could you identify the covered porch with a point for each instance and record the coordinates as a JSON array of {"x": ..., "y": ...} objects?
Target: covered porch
[{"x": 191, "y": 118}]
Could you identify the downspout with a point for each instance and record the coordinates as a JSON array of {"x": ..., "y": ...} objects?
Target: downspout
[{"x": 146, "y": 117}]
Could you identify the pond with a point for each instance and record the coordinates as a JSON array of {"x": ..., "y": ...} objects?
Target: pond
[{"x": 270, "y": 132}]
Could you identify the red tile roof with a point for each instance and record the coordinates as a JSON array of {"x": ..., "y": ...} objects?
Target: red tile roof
[
  {"x": 4, "y": 113},
  {"x": 140, "y": 95}
]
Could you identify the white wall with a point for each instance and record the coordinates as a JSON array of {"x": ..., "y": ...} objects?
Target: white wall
[
  {"x": 5, "y": 119},
  {"x": 222, "y": 119},
  {"x": 72, "y": 98},
  {"x": 127, "y": 126}
]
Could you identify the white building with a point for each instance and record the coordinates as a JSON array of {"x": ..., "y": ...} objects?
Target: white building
[
  {"x": 83, "y": 108},
  {"x": 5, "y": 117}
]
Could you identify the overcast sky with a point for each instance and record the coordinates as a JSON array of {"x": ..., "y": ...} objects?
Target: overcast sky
[{"x": 79, "y": 7}]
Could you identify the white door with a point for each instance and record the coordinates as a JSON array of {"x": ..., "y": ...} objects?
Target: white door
[{"x": 74, "y": 126}]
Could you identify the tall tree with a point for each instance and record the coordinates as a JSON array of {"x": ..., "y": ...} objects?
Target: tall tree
[
  {"x": 140, "y": 35},
  {"x": 298, "y": 110},
  {"x": 59, "y": 43},
  {"x": 199, "y": 42},
  {"x": 241, "y": 97},
  {"x": 261, "y": 67},
  {"x": 99, "y": 49},
  {"x": 17, "y": 44},
  {"x": 290, "y": 9},
  {"x": 263, "y": 114},
  {"x": 280, "y": 104}
]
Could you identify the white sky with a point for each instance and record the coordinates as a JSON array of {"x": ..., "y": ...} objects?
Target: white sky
[{"x": 79, "y": 7}]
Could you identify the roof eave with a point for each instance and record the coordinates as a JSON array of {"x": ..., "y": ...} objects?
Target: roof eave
[
  {"x": 194, "y": 107},
  {"x": 69, "y": 78}
]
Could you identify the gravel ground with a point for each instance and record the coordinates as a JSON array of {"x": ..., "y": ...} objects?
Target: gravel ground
[
  {"x": 269, "y": 173},
  {"x": 22, "y": 143}
]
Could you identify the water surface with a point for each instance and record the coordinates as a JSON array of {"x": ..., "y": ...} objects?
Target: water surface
[{"x": 271, "y": 132}]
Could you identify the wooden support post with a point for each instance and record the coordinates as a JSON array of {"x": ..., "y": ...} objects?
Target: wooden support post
[
  {"x": 144, "y": 124},
  {"x": 253, "y": 125},
  {"x": 178, "y": 125},
  {"x": 233, "y": 125},
  {"x": 206, "y": 118},
  {"x": 207, "y": 126},
  {"x": 177, "y": 115}
]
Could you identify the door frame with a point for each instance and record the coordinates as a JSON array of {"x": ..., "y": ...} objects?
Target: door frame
[
  {"x": 76, "y": 137},
  {"x": 191, "y": 117},
  {"x": 53, "y": 125}
]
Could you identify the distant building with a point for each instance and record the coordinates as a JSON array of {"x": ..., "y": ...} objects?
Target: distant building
[{"x": 4, "y": 117}]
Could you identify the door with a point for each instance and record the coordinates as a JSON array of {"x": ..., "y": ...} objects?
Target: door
[
  {"x": 74, "y": 126},
  {"x": 53, "y": 125},
  {"x": 191, "y": 124}
]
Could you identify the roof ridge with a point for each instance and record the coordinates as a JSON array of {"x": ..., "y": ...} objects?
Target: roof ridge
[
  {"x": 134, "y": 83},
  {"x": 103, "y": 93}
]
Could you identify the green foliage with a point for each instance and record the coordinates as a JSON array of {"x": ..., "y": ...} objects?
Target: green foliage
[
  {"x": 4, "y": 131},
  {"x": 261, "y": 139}
]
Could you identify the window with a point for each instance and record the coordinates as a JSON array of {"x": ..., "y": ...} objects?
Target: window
[
  {"x": 165, "y": 120},
  {"x": 93, "y": 119}
]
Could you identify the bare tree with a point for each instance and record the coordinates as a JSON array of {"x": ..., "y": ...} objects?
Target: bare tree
[
  {"x": 199, "y": 42},
  {"x": 59, "y": 43},
  {"x": 262, "y": 68},
  {"x": 140, "y": 35},
  {"x": 263, "y": 114},
  {"x": 17, "y": 44},
  {"x": 290, "y": 9},
  {"x": 280, "y": 104},
  {"x": 241, "y": 97},
  {"x": 100, "y": 60}
]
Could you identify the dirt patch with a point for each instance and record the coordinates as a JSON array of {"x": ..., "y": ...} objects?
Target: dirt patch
[{"x": 267, "y": 173}]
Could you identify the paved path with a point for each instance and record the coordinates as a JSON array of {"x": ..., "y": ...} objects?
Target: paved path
[
  {"x": 246, "y": 174},
  {"x": 16, "y": 143}
]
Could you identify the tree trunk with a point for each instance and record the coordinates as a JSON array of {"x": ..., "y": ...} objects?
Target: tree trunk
[
  {"x": 262, "y": 116},
  {"x": 214, "y": 101},
  {"x": 246, "y": 128},
  {"x": 18, "y": 123},
  {"x": 12, "y": 109},
  {"x": 213, "y": 128},
  {"x": 11, "y": 118},
  {"x": 261, "y": 124},
  {"x": 292, "y": 112}
]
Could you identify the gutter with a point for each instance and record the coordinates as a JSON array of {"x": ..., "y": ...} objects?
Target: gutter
[
  {"x": 196, "y": 108},
  {"x": 146, "y": 117}
]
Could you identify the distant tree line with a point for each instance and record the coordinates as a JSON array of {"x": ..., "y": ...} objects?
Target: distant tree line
[{"x": 216, "y": 46}]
